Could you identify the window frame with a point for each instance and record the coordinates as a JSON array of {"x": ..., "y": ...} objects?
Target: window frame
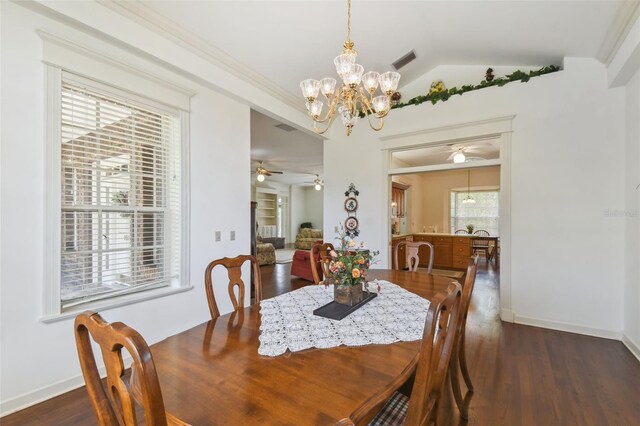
[
  {"x": 52, "y": 306},
  {"x": 453, "y": 196}
]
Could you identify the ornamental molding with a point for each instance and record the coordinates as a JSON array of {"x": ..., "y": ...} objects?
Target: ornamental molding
[{"x": 150, "y": 19}]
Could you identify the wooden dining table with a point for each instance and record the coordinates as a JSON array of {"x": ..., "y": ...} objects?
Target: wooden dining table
[{"x": 213, "y": 374}]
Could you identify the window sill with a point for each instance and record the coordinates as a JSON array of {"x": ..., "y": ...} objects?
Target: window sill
[{"x": 103, "y": 305}]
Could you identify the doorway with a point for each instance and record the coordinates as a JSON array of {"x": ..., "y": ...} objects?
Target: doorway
[{"x": 432, "y": 150}]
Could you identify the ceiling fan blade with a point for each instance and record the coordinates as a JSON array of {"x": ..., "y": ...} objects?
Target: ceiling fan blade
[
  {"x": 473, "y": 150},
  {"x": 276, "y": 173}
]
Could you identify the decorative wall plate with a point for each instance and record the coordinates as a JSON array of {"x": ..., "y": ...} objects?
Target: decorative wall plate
[
  {"x": 351, "y": 204},
  {"x": 351, "y": 224}
]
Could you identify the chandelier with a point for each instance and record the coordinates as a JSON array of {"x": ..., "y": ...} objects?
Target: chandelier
[{"x": 356, "y": 97}]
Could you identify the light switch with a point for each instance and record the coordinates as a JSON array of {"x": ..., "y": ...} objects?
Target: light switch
[
  {"x": 218, "y": 237},
  {"x": 232, "y": 235}
]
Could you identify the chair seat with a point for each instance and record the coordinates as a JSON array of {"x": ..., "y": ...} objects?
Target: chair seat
[{"x": 394, "y": 411}]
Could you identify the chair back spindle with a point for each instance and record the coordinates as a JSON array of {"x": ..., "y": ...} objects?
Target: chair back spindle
[
  {"x": 234, "y": 272},
  {"x": 413, "y": 259},
  {"x": 325, "y": 259},
  {"x": 320, "y": 253},
  {"x": 117, "y": 406},
  {"x": 438, "y": 343},
  {"x": 460, "y": 355}
]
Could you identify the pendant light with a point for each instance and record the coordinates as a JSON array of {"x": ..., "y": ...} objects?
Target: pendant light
[{"x": 468, "y": 199}]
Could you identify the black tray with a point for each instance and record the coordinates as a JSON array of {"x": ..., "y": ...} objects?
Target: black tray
[{"x": 337, "y": 311}]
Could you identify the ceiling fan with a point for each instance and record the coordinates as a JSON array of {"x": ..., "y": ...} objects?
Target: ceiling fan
[
  {"x": 317, "y": 183},
  {"x": 458, "y": 152},
  {"x": 261, "y": 171}
]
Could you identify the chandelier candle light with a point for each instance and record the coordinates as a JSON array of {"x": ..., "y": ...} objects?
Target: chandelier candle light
[{"x": 355, "y": 96}]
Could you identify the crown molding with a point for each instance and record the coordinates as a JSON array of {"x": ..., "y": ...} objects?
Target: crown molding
[
  {"x": 627, "y": 14},
  {"x": 150, "y": 19}
]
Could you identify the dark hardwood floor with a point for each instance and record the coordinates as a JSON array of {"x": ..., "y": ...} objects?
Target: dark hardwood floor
[{"x": 522, "y": 375}]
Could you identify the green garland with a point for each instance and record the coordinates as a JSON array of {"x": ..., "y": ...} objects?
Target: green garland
[
  {"x": 500, "y": 81},
  {"x": 443, "y": 96}
]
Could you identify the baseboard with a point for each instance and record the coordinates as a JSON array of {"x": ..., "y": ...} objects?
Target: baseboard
[
  {"x": 506, "y": 315},
  {"x": 44, "y": 393},
  {"x": 631, "y": 345},
  {"x": 39, "y": 395},
  {"x": 569, "y": 327}
]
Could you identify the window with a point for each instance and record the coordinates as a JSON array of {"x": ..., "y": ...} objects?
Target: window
[
  {"x": 483, "y": 214},
  {"x": 120, "y": 194}
]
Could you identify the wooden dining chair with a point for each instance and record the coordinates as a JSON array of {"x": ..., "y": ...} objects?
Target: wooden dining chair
[
  {"x": 413, "y": 259},
  {"x": 116, "y": 405},
  {"x": 480, "y": 244},
  {"x": 234, "y": 271},
  {"x": 460, "y": 353},
  {"x": 462, "y": 232},
  {"x": 430, "y": 367},
  {"x": 325, "y": 259}
]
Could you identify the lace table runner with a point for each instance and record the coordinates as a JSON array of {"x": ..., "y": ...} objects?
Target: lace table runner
[{"x": 287, "y": 321}]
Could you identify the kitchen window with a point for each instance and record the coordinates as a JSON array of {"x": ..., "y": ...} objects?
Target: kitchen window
[{"x": 483, "y": 214}]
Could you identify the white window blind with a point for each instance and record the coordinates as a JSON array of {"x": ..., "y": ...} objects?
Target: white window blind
[
  {"x": 120, "y": 193},
  {"x": 483, "y": 214}
]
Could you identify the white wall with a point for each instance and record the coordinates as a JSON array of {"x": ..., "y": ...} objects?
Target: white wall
[
  {"x": 307, "y": 206},
  {"x": 313, "y": 207},
  {"x": 568, "y": 134},
  {"x": 298, "y": 209},
  {"x": 632, "y": 217},
  {"x": 38, "y": 359}
]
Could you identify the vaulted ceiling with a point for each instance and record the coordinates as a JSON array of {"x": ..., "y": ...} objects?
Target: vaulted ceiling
[
  {"x": 288, "y": 41},
  {"x": 279, "y": 43}
]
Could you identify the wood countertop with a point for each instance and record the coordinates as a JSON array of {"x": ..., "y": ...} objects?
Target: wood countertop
[{"x": 434, "y": 234}]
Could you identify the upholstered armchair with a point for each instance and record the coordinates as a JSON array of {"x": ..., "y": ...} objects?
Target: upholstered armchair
[
  {"x": 306, "y": 237},
  {"x": 265, "y": 252}
]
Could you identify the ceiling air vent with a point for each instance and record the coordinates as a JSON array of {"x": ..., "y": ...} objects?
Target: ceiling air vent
[
  {"x": 285, "y": 127},
  {"x": 404, "y": 60}
]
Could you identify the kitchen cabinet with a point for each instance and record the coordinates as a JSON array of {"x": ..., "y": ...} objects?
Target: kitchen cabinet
[
  {"x": 443, "y": 256},
  {"x": 450, "y": 252}
]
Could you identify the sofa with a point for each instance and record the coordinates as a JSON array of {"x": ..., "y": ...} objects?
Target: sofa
[
  {"x": 278, "y": 242},
  {"x": 306, "y": 238},
  {"x": 265, "y": 252}
]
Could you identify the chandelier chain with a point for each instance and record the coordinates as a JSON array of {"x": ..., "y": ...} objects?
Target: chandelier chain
[{"x": 349, "y": 21}]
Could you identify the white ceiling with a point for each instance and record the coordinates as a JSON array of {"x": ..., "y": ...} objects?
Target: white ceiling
[
  {"x": 288, "y": 41},
  {"x": 296, "y": 153},
  {"x": 486, "y": 149},
  {"x": 284, "y": 42}
]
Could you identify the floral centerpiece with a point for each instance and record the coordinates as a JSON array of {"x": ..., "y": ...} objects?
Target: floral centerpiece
[{"x": 348, "y": 264}]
